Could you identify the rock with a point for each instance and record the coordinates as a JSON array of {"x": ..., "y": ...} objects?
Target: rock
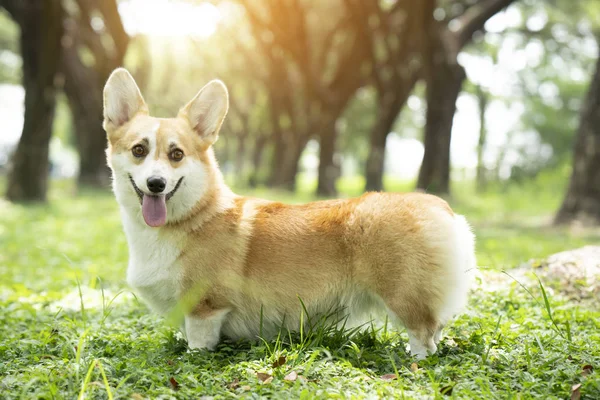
[{"x": 575, "y": 273}]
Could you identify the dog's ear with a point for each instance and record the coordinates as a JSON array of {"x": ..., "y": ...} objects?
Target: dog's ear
[
  {"x": 122, "y": 99},
  {"x": 207, "y": 110}
]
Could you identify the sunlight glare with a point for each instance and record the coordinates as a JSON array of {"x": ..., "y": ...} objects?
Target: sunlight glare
[{"x": 169, "y": 18}]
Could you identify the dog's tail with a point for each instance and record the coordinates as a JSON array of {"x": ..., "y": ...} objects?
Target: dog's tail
[{"x": 461, "y": 264}]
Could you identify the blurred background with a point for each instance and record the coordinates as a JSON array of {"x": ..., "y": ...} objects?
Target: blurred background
[{"x": 494, "y": 100}]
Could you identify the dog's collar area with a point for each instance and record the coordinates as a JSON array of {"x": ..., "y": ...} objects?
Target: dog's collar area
[{"x": 140, "y": 194}]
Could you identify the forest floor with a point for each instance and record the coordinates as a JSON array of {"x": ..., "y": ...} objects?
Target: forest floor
[{"x": 70, "y": 327}]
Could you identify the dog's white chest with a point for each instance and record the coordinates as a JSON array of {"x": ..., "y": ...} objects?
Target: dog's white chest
[{"x": 153, "y": 270}]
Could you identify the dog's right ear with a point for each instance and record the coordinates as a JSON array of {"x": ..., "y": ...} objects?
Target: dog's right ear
[{"x": 122, "y": 99}]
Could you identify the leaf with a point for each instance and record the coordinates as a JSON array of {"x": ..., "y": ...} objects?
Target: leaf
[
  {"x": 170, "y": 362},
  {"x": 246, "y": 388},
  {"x": 587, "y": 370},
  {"x": 174, "y": 383},
  {"x": 575, "y": 392},
  {"x": 280, "y": 361},
  {"x": 235, "y": 384},
  {"x": 388, "y": 377},
  {"x": 137, "y": 396},
  {"x": 267, "y": 381},
  {"x": 291, "y": 377},
  {"x": 447, "y": 390},
  {"x": 414, "y": 367},
  {"x": 262, "y": 376}
]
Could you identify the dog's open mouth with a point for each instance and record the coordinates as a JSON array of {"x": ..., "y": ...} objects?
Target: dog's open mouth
[{"x": 154, "y": 207}]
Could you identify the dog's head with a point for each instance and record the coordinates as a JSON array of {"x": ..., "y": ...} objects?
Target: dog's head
[{"x": 163, "y": 166}]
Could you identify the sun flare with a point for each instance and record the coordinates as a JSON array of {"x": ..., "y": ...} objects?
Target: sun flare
[{"x": 169, "y": 18}]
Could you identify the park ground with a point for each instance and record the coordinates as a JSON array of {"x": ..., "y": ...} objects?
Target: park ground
[{"x": 70, "y": 327}]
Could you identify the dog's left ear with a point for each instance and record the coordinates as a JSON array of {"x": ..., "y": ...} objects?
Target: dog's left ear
[{"x": 207, "y": 110}]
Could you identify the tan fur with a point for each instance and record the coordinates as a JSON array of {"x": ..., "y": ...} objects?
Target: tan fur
[
  {"x": 241, "y": 257},
  {"x": 273, "y": 253}
]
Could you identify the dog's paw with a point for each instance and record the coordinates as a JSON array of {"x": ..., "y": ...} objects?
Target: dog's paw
[
  {"x": 200, "y": 345},
  {"x": 421, "y": 352}
]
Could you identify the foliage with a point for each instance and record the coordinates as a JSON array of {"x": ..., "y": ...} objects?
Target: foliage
[
  {"x": 554, "y": 50},
  {"x": 10, "y": 60}
]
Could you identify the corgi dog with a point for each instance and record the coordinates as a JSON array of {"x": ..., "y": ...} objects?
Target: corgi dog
[{"x": 245, "y": 266}]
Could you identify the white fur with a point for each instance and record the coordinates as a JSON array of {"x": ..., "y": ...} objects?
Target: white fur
[
  {"x": 420, "y": 347},
  {"x": 189, "y": 192},
  {"x": 204, "y": 333},
  {"x": 454, "y": 243},
  {"x": 153, "y": 270}
]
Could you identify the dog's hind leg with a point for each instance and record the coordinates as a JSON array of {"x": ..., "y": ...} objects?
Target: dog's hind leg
[
  {"x": 437, "y": 337},
  {"x": 420, "y": 324},
  {"x": 421, "y": 343},
  {"x": 204, "y": 332}
]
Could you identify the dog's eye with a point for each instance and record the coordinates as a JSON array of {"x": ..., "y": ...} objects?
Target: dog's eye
[
  {"x": 138, "y": 150},
  {"x": 177, "y": 155}
]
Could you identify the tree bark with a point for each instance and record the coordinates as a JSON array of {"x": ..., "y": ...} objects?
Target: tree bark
[
  {"x": 277, "y": 157},
  {"x": 328, "y": 170},
  {"x": 257, "y": 159},
  {"x": 481, "y": 177},
  {"x": 286, "y": 160},
  {"x": 444, "y": 83},
  {"x": 582, "y": 200},
  {"x": 389, "y": 110},
  {"x": 444, "y": 77},
  {"x": 84, "y": 83},
  {"x": 84, "y": 94},
  {"x": 41, "y": 32},
  {"x": 240, "y": 160}
]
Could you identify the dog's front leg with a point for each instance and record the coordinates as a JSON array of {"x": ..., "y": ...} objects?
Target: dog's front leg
[{"x": 203, "y": 332}]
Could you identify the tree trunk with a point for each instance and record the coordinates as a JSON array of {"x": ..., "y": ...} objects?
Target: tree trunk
[
  {"x": 389, "y": 109},
  {"x": 257, "y": 158},
  {"x": 84, "y": 83},
  {"x": 481, "y": 177},
  {"x": 328, "y": 170},
  {"x": 84, "y": 93},
  {"x": 41, "y": 32},
  {"x": 582, "y": 200},
  {"x": 286, "y": 159},
  {"x": 240, "y": 160},
  {"x": 443, "y": 87},
  {"x": 277, "y": 158}
]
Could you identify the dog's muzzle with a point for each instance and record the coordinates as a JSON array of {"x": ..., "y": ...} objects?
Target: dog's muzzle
[{"x": 140, "y": 193}]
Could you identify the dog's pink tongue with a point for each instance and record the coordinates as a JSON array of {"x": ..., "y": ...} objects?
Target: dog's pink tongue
[{"x": 154, "y": 210}]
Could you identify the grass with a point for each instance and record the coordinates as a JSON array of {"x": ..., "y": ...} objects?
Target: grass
[{"x": 70, "y": 328}]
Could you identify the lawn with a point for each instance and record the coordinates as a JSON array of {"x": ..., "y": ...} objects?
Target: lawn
[{"x": 70, "y": 327}]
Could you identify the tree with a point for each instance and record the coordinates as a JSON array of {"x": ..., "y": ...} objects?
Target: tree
[
  {"x": 9, "y": 41},
  {"x": 84, "y": 81},
  {"x": 311, "y": 76},
  {"x": 40, "y": 23},
  {"x": 444, "y": 77},
  {"x": 394, "y": 37},
  {"x": 582, "y": 200},
  {"x": 551, "y": 92},
  {"x": 482, "y": 102}
]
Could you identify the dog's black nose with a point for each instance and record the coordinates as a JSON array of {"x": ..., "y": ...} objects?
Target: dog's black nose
[{"x": 156, "y": 184}]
